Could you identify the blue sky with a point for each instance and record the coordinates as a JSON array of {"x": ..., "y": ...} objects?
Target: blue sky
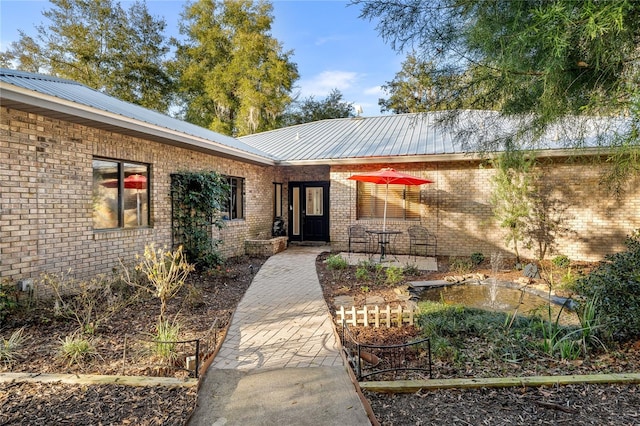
[{"x": 332, "y": 46}]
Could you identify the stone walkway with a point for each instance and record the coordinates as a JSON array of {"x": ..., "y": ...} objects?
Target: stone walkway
[{"x": 280, "y": 362}]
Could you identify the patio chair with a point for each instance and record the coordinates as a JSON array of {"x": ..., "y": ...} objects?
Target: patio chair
[
  {"x": 420, "y": 237},
  {"x": 358, "y": 235}
]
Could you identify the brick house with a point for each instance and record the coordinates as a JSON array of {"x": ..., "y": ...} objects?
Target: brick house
[{"x": 85, "y": 179}]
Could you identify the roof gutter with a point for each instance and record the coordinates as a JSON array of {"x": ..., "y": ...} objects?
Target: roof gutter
[
  {"x": 432, "y": 158},
  {"x": 42, "y": 103}
]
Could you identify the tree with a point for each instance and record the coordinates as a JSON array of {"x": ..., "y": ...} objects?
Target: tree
[
  {"x": 233, "y": 76},
  {"x": 553, "y": 62},
  {"x": 99, "y": 44},
  {"x": 311, "y": 110},
  {"x": 511, "y": 195},
  {"x": 420, "y": 87}
]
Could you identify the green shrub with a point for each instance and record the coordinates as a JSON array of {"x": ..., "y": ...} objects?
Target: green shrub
[
  {"x": 164, "y": 341},
  {"x": 9, "y": 347},
  {"x": 362, "y": 273},
  {"x": 614, "y": 290},
  {"x": 477, "y": 258},
  {"x": 7, "y": 299},
  {"x": 336, "y": 262},
  {"x": 561, "y": 261},
  {"x": 76, "y": 349},
  {"x": 411, "y": 270},
  {"x": 460, "y": 265},
  {"x": 394, "y": 275}
]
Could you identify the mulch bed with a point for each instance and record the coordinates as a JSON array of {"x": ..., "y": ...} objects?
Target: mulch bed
[{"x": 45, "y": 404}]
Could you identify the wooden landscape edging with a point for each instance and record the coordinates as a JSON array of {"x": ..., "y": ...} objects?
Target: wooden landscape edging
[
  {"x": 410, "y": 386},
  {"x": 96, "y": 379}
]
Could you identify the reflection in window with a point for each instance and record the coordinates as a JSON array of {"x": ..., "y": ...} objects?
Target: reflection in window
[
  {"x": 234, "y": 208},
  {"x": 120, "y": 194},
  {"x": 314, "y": 201},
  {"x": 277, "y": 202}
]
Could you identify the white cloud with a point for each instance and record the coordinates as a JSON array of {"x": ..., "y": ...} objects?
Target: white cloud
[
  {"x": 322, "y": 84},
  {"x": 374, "y": 91}
]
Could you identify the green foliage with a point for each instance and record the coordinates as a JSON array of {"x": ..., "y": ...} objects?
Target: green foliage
[
  {"x": 233, "y": 76},
  {"x": 411, "y": 270},
  {"x": 503, "y": 336},
  {"x": 540, "y": 62},
  {"x": 9, "y": 347},
  {"x": 310, "y": 110},
  {"x": 362, "y": 272},
  {"x": 561, "y": 261},
  {"x": 614, "y": 290},
  {"x": 415, "y": 88},
  {"x": 76, "y": 349},
  {"x": 460, "y": 265},
  {"x": 99, "y": 44},
  {"x": 164, "y": 341},
  {"x": 477, "y": 258},
  {"x": 166, "y": 272},
  {"x": 7, "y": 298},
  {"x": 337, "y": 264},
  {"x": 394, "y": 275},
  {"x": 196, "y": 197},
  {"x": 512, "y": 186}
]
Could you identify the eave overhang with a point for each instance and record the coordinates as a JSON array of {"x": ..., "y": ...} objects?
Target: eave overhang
[{"x": 53, "y": 107}]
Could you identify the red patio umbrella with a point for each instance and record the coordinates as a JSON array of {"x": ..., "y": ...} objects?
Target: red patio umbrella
[
  {"x": 386, "y": 176},
  {"x": 135, "y": 181}
]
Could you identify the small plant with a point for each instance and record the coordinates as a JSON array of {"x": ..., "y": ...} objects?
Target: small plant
[
  {"x": 394, "y": 275},
  {"x": 365, "y": 289},
  {"x": 477, "y": 258},
  {"x": 166, "y": 272},
  {"x": 164, "y": 341},
  {"x": 9, "y": 347},
  {"x": 362, "y": 273},
  {"x": 460, "y": 265},
  {"x": 7, "y": 298},
  {"x": 76, "y": 349},
  {"x": 561, "y": 261},
  {"x": 335, "y": 261},
  {"x": 89, "y": 303},
  {"x": 336, "y": 264},
  {"x": 411, "y": 270},
  {"x": 194, "y": 297}
]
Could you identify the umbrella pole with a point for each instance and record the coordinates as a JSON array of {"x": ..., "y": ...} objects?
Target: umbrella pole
[{"x": 384, "y": 216}]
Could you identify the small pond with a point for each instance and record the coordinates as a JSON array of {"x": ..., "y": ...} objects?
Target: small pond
[{"x": 498, "y": 298}]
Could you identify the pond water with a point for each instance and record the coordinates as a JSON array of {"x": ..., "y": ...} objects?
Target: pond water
[{"x": 498, "y": 298}]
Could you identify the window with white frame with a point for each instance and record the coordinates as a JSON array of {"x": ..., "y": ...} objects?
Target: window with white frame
[{"x": 120, "y": 194}]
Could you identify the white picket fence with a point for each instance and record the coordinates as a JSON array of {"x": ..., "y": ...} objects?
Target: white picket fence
[{"x": 375, "y": 316}]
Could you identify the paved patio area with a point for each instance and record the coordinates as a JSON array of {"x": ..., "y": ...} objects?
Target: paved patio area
[{"x": 401, "y": 260}]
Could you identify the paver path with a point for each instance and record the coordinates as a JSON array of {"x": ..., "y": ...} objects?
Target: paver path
[{"x": 280, "y": 361}]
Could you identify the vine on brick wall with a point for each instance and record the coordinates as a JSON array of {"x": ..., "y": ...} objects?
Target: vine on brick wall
[{"x": 196, "y": 199}]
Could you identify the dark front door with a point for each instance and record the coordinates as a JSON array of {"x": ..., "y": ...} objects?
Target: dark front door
[{"x": 309, "y": 211}]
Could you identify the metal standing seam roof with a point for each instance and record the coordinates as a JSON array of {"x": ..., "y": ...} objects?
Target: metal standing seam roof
[
  {"x": 78, "y": 93},
  {"x": 359, "y": 138}
]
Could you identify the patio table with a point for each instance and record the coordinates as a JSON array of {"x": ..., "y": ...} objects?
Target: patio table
[{"x": 384, "y": 241}]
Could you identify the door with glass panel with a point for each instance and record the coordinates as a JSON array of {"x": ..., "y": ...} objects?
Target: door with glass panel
[{"x": 309, "y": 211}]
